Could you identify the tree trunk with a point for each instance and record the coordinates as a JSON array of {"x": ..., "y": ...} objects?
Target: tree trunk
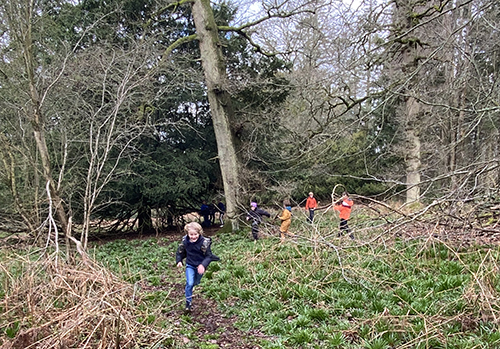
[
  {"x": 220, "y": 102},
  {"x": 38, "y": 123},
  {"x": 412, "y": 109},
  {"x": 413, "y": 160},
  {"x": 144, "y": 219}
]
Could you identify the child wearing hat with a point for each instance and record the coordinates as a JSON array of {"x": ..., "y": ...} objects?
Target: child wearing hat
[
  {"x": 344, "y": 207},
  {"x": 286, "y": 219},
  {"x": 255, "y": 214}
]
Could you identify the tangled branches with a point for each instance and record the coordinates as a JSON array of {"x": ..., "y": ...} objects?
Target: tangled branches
[{"x": 64, "y": 306}]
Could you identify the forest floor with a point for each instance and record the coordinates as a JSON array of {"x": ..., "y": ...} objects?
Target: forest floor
[
  {"x": 211, "y": 326},
  {"x": 208, "y": 327}
]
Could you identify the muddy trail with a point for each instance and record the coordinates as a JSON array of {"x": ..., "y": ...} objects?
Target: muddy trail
[{"x": 211, "y": 326}]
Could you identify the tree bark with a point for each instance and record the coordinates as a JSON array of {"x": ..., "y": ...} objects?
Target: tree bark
[
  {"x": 145, "y": 219},
  {"x": 403, "y": 23},
  {"x": 38, "y": 122},
  {"x": 220, "y": 102},
  {"x": 413, "y": 159}
]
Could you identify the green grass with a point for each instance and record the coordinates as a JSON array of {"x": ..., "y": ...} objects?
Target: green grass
[{"x": 411, "y": 294}]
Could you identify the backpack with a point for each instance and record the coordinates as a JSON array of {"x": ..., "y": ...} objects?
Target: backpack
[{"x": 204, "y": 247}]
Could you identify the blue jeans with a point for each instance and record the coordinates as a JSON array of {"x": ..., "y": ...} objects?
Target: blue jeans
[{"x": 192, "y": 279}]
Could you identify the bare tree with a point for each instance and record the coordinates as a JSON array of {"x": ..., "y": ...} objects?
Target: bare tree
[
  {"x": 19, "y": 19},
  {"x": 106, "y": 86},
  {"x": 83, "y": 110},
  {"x": 434, "y": 58},
  {"x": 220, "y": 101},
  {"x": 207, "y": 32}
]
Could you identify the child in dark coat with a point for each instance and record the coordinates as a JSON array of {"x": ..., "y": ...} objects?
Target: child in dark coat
[
  {"x": 255, "y": 214},
  {"x": 222, "y": 210},
  {"x": 195, "y": 248}
]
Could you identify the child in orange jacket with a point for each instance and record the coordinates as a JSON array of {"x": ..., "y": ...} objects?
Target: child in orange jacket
[
  {"x": 286, "y": 220},
  {"x": 344, "y": 206},
  {"x": 311, "y": 205}
]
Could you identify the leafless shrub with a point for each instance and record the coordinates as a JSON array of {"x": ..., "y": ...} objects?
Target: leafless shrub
[{"x": 71, "y": 306}]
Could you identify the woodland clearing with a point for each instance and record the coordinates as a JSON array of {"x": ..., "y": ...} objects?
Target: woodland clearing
[{"x": 418, "y": 286}]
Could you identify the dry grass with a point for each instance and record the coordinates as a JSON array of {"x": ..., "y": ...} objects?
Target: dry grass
[{"x": 70, "y": 306}]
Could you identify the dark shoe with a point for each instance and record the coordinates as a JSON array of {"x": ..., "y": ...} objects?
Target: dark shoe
[
  {"x": 188, "y": 306},
  {"x": 351, "y": 236}
]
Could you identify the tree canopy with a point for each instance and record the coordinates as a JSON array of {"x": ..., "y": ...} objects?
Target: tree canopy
[{"x": 111, "y": 110}]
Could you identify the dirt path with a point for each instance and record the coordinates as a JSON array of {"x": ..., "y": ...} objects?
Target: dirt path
[{"x": 211, "y": 326}]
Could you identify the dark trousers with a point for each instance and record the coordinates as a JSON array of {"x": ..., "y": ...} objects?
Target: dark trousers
[
  {"x": 255, "y": 230},
  {"x": 311, "y": 214},
  {"x": 344, "y": 228},
  {"x": 206, "y": 221}
]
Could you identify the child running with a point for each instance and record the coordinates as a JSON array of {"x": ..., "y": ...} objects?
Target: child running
[
  {"x": 255, "y": 214},
  {"x": 195, "y": 248}
]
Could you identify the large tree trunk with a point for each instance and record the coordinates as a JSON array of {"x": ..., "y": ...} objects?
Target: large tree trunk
[
  {"x": 403, "y": 23},
  {"x": 220, "y": 102},
  {"x": 413, "y": 160}
]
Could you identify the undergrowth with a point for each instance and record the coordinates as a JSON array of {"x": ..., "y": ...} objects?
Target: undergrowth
[
  {"x": 46, "y": 303},
  {"x": 316, "y": 290},
  {"x": 311, "y": 292}
]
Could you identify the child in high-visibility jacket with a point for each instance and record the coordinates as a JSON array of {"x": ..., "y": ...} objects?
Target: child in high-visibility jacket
[
  {"x": 311, "y": 205},
  {"x": 286, "y": 220},
  {"x": 344, "y": 206}
]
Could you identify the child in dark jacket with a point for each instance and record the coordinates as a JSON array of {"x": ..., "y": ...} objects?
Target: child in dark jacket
[
  {"x": 255, "y": 214},
  {"x": 195, "y": 248}
]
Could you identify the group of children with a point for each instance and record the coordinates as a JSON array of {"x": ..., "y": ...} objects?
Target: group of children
[
  {"x": 208, "y": 213},
  {"x": 256, "y": 213},
  {"x": 196, "y": 249},
  {"x": 343, "y": 206}
]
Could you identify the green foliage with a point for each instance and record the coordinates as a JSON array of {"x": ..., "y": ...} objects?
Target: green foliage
[
  {"x": 377, "y": 343},
  {"x": 12, "y": 330},
  {"x": 337, "y": 340},
  {"x": 392, "y": 298}
]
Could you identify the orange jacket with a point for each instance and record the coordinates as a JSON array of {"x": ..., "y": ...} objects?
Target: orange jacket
[
  {"x": 344, "y": 208},
  {"x": 286, "y": 220},
  {"x": 311, "y": 203}
]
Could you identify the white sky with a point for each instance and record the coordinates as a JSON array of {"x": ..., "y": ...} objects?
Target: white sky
[{"x": 249, "y": 10}]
